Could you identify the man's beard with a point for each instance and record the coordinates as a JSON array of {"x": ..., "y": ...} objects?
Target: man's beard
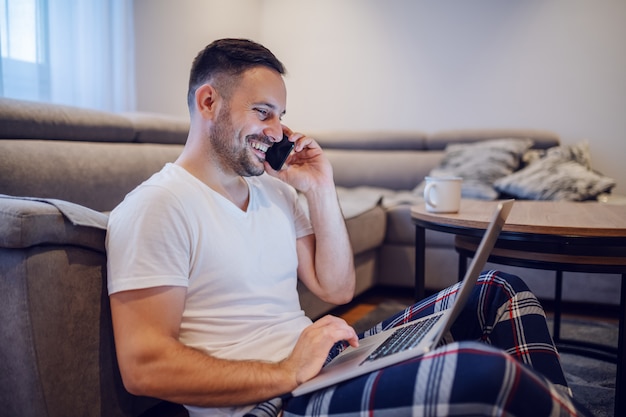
[{"x": 230, "y": 153}]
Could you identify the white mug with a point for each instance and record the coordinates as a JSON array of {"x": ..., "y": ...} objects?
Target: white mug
[{"x": 443, "y": 194}]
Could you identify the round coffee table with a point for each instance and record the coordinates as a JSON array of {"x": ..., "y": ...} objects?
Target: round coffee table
[{"x": 559, "y": 236}]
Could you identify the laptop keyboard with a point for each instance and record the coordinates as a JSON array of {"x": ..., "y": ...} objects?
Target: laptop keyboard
[{"x": 404, "y": 338}]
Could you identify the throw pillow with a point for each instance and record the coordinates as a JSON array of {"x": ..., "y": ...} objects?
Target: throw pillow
[
  {"x": 480, "y": 164},
  {"x": 564, "y": 173}
]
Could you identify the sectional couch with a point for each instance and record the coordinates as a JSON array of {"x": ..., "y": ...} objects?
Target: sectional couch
[{"x": 63, "y": 168}]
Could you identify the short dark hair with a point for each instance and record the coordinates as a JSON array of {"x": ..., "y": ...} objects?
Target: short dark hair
[{"x": 230, "y": 58}]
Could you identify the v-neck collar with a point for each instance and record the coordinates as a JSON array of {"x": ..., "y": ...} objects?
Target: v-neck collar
[
  {"x": 227, "y": 203},
  {"x": 231, "y": 205}
]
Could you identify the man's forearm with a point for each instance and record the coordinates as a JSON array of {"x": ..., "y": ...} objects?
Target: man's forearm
[
  {"x": 334, "y": 262},
  {"x": 188, "y": 376},
  {"x": 153, "y": 362}
]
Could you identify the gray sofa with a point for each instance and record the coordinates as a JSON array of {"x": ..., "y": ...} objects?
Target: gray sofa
[{"x": 63, "y": 168}]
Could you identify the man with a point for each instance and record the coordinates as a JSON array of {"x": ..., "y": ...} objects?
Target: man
[{"x": 204, "y": 258}]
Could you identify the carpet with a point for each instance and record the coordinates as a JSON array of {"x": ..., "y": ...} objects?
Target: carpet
[{"x": 592, "y": 381}]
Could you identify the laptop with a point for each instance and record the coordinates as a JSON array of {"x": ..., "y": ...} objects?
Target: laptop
[{"x": 412, "y": 339}]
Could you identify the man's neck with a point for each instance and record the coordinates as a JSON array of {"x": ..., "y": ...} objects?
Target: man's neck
[{"x": 231, "y": 186}]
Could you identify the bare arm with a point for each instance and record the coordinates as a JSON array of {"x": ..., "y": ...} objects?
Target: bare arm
[
  {"x": 325, "y": 259},
  {"x": 154, "y": 363}
]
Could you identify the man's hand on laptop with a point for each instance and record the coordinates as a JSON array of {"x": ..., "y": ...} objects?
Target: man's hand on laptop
[{"x": 315, "y": 342}]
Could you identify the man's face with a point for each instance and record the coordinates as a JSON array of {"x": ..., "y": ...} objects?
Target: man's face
[{"x": 249, "y": 122}]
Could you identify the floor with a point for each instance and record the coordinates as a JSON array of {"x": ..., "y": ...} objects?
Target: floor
[{"x": 365, "y": 303}]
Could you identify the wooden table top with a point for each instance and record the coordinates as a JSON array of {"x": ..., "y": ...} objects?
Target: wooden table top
[{"x": 564, "y": 218}]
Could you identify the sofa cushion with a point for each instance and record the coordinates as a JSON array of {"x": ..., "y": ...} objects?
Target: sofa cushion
[
  {"x": 367, "y": 230},
  {"x": 95, "y": 175},
  {"x": 21, "y": 119},
  {"x": 59, "y": 359},
  {"x": 564, "y": 173},
  {"x": 480, "y": 164},
  {"x": 372, "y": 140},
  {"x": 158, "y": 128},
  {"x": 395, "y": 170},
  {"x": 401, "y": 229},
  {"x": 364, "y": 217},
  {"x": 542, "y": 139},
  {"x": 27, "y": 223}
]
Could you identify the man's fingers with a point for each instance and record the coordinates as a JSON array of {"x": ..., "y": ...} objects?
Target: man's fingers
[{"x": 336, "y": 329}]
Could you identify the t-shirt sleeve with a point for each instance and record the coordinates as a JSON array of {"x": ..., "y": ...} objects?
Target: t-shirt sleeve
[{"x": 148, "y": 242}]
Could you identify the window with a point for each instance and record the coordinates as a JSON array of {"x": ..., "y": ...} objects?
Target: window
[
  {"x": 24, "y": 55},
  {"x": 71, "y": 52}
]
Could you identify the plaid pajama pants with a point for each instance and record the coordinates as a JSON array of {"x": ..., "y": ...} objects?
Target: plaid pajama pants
[{"x": 498, "y": 359}]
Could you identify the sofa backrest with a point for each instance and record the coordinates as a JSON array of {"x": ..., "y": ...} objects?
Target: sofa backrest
[
  {"x": 88, "y": 157},
  {"x": 542, "y": 139},
  {"x": 22, "y": 119},
  {"x": 94, "y": 174},
  {"x": 71, "y": 166},
  {"x": 401, "y": 160}
]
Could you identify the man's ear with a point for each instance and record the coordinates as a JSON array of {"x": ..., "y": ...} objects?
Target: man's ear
[{"x": 207, "y": 101}]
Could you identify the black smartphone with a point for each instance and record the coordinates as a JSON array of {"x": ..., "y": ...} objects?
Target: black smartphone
[{"x": 277, "y": 154}]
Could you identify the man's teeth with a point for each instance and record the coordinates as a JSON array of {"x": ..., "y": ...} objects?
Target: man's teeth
[{"x": 260, "y": 146}]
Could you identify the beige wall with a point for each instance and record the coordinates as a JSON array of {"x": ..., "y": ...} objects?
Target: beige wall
[{"x": 407, "y": 64}]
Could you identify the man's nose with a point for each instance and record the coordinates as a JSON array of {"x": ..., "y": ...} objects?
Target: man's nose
[{"x": 274, "y": 131}]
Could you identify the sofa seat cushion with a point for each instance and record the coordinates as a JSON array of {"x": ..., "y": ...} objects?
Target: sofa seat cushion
[
  {"x": 27, "y": 222},
  {"x": 367, "y": 230},
  {"x": 401, "y": 229},
  {"x": 365, "y": 218}
]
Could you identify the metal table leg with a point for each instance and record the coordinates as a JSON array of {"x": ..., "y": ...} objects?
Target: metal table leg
[
  {"x": 558, "y": 294},
  {"x": 620, "y": 378},
  {"x": 420, "y": 262}
]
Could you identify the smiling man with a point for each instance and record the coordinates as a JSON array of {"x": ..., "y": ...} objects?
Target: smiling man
[
  {"x": 204, "y": 259},
  {"x": 205, "y": 255}
]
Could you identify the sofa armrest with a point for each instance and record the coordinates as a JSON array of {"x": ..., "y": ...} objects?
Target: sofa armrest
[
  {"x": 59, "y": 356},
  {"x": 28, "y": 222}
]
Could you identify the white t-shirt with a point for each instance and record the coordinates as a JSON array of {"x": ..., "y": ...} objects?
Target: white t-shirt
[{"x": 239, "y": 267}]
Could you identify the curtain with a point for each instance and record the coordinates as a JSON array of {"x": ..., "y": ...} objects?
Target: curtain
[{"x": 71, "y": 52}]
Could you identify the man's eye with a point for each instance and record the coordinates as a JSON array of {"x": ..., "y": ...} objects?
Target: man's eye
[{"x": 262, "y": 113}]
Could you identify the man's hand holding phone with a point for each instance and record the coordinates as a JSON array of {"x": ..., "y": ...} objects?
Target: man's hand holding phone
[{"x": 307, "y": 169}]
